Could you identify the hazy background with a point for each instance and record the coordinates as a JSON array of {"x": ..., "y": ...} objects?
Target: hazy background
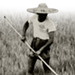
[
  {"x": 22, "y": 5},
  {"x": 13, "y": 59}
]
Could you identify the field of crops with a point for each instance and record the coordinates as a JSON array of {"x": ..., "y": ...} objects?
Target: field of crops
[{"x": 13, "y": 59}]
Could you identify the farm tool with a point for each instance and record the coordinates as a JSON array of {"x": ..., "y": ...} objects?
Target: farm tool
[{"x": 30, "y": 46}]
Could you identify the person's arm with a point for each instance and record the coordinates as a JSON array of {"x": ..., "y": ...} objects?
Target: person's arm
[
  {"x": 25, "y": 27},
  {"x": 50, "y": 41}
]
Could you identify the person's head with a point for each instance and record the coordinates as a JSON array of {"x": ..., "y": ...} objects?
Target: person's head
[
  {"x": 41, "y": 17},
  {"x": 42, "y": 10}
]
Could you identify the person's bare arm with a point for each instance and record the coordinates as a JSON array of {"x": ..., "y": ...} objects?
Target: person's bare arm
[
  {"x": 50, "y": 41},
  {"x": 25, "y": 27}
]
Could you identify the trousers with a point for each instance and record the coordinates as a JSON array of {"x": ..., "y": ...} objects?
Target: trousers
[{"x": 36, "y": 45}]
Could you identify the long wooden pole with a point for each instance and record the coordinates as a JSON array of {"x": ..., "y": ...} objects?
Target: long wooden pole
[{"x": 30, "y": 46}]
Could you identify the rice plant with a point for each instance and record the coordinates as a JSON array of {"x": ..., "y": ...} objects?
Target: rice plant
[{"x": 13, "y": 59}]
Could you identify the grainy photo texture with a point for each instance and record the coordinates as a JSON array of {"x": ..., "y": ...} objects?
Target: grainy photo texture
[{"x": 38, "y": 41}]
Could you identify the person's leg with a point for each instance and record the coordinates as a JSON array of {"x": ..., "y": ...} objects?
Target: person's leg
[
  {"x": 36, "y": 45},
  {"x": 46, "y": 69},
  {"x": 46, "y": 56},
  {"x": 31, "y": 64}
]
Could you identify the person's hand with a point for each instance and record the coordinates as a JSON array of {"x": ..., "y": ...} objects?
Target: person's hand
[
  {"x": 23, "y": 39},
  {"x": 38, "y": 52}
]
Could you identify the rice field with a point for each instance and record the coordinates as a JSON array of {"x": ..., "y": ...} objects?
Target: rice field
[{"x": 13, "y": 59}]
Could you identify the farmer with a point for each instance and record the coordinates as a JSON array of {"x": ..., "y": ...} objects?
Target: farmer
[{"x": 43, "y": 35}]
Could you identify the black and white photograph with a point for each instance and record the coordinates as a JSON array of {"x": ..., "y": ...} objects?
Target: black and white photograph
[{"x": 37, "y": 37}]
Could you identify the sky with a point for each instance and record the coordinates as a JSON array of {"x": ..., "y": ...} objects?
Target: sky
[{"x": 22, "y": 5}]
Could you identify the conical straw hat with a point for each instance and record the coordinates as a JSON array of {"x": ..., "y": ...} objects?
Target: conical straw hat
[{"x": 42, "y": 8}]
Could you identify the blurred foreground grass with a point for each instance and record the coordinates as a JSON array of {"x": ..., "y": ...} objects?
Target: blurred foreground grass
[{"x": 13, "y": 60}]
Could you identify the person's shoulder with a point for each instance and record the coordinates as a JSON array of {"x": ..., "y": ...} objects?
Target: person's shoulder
[
  {"x": 51, "y": 25},
  {"x": 51, "y": 21},
  {"x": 48, "y": 20},
  {"x": 32, "y": 18}
]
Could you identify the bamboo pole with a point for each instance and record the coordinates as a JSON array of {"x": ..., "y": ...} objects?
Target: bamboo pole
[{"x": 30, "y": 46}]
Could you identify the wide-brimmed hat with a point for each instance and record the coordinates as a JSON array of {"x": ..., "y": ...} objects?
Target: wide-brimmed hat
[{"x": 42, "y": 8}]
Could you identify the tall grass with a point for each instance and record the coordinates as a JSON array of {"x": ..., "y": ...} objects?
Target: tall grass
[{"x": 13, "y": 59}]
